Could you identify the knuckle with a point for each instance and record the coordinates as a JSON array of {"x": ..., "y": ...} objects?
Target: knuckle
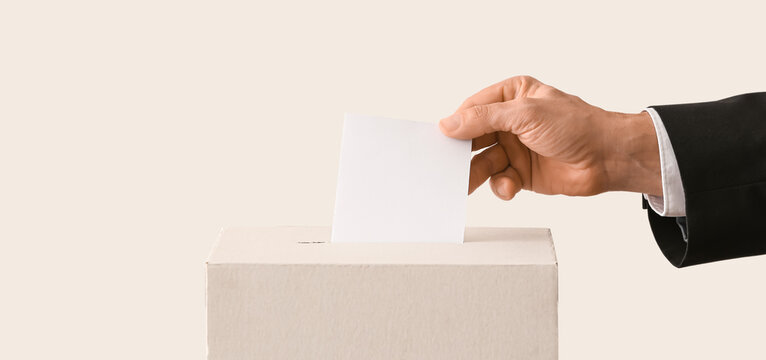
[
  {"x": 523, "y": 81},
  {"x": 480, "y": 166},
  {"x": 550, "y": 91},
  {"x": 481, "y": 113},
  {"x": 527, "y": 79},
  {"x": 578, "y": 99},
  {"x": 486, "y": 168},
  {"x": 521, "y": 85}
]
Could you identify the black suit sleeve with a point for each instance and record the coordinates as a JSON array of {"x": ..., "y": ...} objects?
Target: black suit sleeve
[{"x": 720, "y": 147}]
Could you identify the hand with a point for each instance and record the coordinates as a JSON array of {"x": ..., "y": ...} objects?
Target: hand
[{"x": 541, "y": 139}]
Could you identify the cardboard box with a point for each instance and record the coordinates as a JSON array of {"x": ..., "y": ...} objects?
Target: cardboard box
[{"x": 287, "y": 293}]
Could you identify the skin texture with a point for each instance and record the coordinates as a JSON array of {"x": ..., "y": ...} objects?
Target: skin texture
[{"x": 538, "y": 138}]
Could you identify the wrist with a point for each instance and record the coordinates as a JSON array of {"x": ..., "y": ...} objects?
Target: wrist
[{"x": 632, "y": 155}]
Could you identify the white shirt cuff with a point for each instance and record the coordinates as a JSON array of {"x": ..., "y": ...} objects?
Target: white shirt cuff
[{"x": 673, "y": 201}]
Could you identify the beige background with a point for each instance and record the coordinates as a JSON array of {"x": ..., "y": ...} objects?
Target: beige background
[{"x": 130, "y": 132}]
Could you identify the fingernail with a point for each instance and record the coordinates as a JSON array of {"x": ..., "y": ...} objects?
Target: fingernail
[
  {"x": 450, "y": 123},
  {"x": 502, "y": 189}
]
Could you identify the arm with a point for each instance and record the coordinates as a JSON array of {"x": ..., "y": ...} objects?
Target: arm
[
  {"x": 540, "y": 139},
  {"x": 720, "y": 148}
]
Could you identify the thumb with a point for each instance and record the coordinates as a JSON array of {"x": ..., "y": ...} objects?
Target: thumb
[{"x": 481, "y": 119}]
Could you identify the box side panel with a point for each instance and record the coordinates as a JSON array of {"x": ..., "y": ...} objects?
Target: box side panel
[{"x": 382, "y": 312}]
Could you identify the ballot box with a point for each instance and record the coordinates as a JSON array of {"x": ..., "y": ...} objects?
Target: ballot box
[{"x": 288, "y": 293}]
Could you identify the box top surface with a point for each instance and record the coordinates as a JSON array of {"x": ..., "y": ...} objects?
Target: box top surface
[{"x": 311, "y": 245}]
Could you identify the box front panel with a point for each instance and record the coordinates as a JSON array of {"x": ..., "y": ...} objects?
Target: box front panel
[{"x": 382, "y": 312}]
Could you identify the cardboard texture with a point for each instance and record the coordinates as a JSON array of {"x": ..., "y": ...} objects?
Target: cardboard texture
[{"x": 288, "y": 293}]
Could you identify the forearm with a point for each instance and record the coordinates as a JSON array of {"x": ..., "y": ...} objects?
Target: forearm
[{"x": 718, "y": 147}]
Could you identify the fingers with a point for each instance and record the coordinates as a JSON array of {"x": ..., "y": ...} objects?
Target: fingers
[
  {"x": 493, "y": 164},
  {"x": 484, "y": 141},
  {"x": 484, "y": 119},
  {"x": 505, "y": 90},
  {"x": 519, "y": 157},
  {"x": 506, "y": 184},
  {"x": 474, "y": 117},
  {"x": 485, "y": 164}
]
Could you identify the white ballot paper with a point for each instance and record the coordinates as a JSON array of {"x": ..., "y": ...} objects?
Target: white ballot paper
[{"x": 400, "y": 181}]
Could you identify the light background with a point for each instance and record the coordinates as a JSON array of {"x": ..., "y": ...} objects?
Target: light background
[{"x": 130, "y": 132}]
